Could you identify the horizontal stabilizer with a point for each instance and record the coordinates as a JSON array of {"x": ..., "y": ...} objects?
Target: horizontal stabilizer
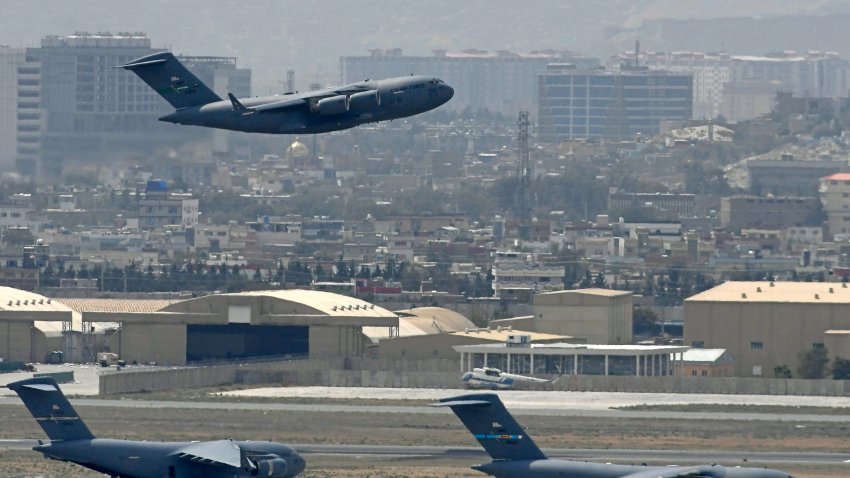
[{"x": 462, "y": 403}]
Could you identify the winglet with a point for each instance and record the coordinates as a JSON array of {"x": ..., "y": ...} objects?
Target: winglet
[{"x": 238, "y": 106}]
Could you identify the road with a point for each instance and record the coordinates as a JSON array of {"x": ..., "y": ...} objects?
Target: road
[
  {"x": 729, "y": 458},
  {"x": 407, "y": 409}
]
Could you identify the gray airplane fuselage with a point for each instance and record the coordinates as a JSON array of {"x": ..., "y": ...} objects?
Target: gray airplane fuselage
[
  {"x": 553, "y": 468},
  {"x": 140, "y": 459},
  {"x": 398, "y": 98}
]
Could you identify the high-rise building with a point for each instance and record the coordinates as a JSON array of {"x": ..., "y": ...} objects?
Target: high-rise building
[
  {"x": 744, "y": 85},
  {"x": 600, "y": 104},
  {"x": 20, "y": 110},
  {"x": 95, "y": 111},
  {"x": 92, "y": 107},
  {"x": 500, "y": 81}
]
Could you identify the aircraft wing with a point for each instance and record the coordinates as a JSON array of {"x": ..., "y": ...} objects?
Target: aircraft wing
[
  {"x": 220, "y": 452},
  {"x": 279, "y": 105},
  {"x": 704, "y": 471},
  {"x": 308, "y": 98}
]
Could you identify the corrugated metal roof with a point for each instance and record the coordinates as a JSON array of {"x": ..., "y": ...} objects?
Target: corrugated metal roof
[
  {"x": 20, "y": 300},
  {"x": 116, "y": 305},
  {"x": 784, "y": 292},
  {"x": 425, "y": 318},
  {"x": 325, "y": 302}
]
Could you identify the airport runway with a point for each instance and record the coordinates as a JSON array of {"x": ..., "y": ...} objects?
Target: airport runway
[
  {"x": 475, "y": 454},
  {"x": 423, "y": 409}
]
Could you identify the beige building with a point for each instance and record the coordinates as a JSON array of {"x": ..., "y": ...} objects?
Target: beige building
[
  {"x": 599, "y": 316},
  {"x": 835, "y": 197},
  {"x": 766, "y": 324},
  {"x": 273, "y": 323}
]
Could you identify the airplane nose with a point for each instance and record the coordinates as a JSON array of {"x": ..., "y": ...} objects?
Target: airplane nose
[
  {"x": 448, "y": 93},
  {"x": 298, "y": 464}
]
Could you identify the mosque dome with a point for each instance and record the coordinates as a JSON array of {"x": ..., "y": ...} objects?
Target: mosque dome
[{"x": 297, "y": 149}]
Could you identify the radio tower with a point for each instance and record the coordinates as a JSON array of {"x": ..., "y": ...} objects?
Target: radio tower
[{"x": 523, "y": 202}]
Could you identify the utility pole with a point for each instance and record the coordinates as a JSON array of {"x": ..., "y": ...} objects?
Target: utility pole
[{"x": 523, "y": 202}]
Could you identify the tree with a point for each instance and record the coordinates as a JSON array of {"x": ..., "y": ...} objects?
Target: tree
[
  {"x": 781, "y": 371},
  {"x": 841, "y": 368},
  {"x": 599, "y": 281},
  {"x": 586, "y": 281},
  {"x": 813, "y": 363},
  {"x": 644, "y": 321}
]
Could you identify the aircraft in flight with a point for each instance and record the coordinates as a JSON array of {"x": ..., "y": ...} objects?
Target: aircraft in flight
[
  {"x": 320, "y": 111},
  {"x": 514, "y": 454},
  {"x": 71, "y": 440},
  {"x": 495, "y": 379}
]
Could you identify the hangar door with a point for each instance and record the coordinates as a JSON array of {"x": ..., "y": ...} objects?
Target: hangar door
[{"x": 235, "y": 341}]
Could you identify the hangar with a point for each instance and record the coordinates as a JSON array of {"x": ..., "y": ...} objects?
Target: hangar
[{"x": 294, "y": 323}]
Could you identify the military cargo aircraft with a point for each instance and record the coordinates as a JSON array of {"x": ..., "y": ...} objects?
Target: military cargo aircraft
[
  {"x": 514, "y": 454},
  {"x": 71, "y": 440},
  {"x": 319, "y": 111}
]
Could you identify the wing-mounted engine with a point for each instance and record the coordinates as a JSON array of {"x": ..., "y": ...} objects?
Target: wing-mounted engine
[
  {"x": 266, "y": 465},
  {"x": 365, "y": 101},
  {"x": 334, "y": 105}
]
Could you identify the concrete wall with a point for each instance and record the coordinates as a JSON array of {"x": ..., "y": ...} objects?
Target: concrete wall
[
  {"x": 434, "y": 373},
  {"x": 313, "y": 372},
  {"x": 720, "y": 385}
]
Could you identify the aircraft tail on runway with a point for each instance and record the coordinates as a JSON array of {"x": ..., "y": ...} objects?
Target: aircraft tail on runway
[
  {"x": 173, "y": 81},
  {"x": 492, "y": 425},
  {"x": 51, "y": 409}
]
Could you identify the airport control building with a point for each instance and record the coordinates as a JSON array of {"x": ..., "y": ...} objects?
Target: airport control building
[{"x": 273, "y": 323}]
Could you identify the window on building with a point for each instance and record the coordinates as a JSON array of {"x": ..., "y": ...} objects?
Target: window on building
[
  {"x": 756, "y": 345},
  {"x": 817, "y": 345},
  {"x": 693, "y": 373},
  {"x": 705, "y": 373},
  {"x": 698, "y": 344}
]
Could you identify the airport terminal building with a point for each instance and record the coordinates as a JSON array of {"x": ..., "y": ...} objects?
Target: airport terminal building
[{"x": 574, "y": 359}]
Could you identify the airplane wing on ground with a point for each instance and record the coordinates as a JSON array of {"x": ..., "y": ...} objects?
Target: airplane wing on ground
[
  {"x": 704, "y": 471},
  {"x": 220, "y": 452}
]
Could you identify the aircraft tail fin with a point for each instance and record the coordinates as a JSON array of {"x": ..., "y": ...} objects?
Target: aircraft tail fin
[
  {"x": 486, "y": 417},
  {"x": 173, "y": 81},
  {"x": 51, "y": 409}
]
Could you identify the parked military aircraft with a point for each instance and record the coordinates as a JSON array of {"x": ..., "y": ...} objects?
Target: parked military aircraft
[
  {"x": 495, "y": 379},
  {"x": 515, "y": 454},
  {"x": 71, "y": 440},
  {"x": 319, "y": 111}
]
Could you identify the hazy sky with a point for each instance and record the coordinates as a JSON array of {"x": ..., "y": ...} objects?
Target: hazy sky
[{"x": 271, "y": 36}]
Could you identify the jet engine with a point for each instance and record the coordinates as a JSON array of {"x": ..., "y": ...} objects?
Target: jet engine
[
  {"x": 270, "y": 466},
  {"x": 334, "y": 105},
  {"x": 367, "y": 100}
]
